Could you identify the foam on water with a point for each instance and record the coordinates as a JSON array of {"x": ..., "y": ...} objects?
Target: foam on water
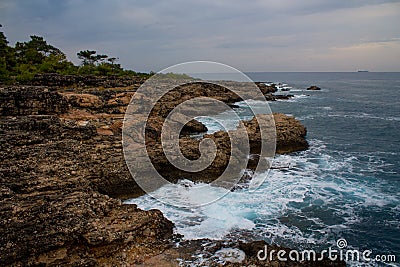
[
  {"x": 228, "y": 120},
  {"x": 327, "y": 112},
  {"x": 362, "y": 115},
  {"x": 212, "y": 122},
  {"x": 212, "y": 221},
  {"x": 310, "y": 203},
  {"x": 296, "y": 97}
]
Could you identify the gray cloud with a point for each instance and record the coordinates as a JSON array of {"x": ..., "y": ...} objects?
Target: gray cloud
[{"x": 273, "y": 35}]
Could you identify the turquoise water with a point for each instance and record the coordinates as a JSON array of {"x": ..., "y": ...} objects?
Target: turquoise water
[{"x": 347, "y": 185}]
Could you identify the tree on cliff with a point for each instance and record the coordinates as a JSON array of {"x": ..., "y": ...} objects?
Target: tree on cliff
[
  {"x": 7, "y": 61},
  {"x": 3, "y": 44},
  {"x": 37, "y": 56},
  {"x": 93, "y": 63},
  {"x": 87, "y": 57},
  {"x": 3, "y": 52},
  {"x": 35, "y": 51},
  {"x": 26, "y": 59}
]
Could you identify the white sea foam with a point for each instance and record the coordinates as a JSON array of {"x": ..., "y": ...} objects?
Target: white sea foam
[
  {"x": 298, "y": 97},
  {"x": 213, "y": 123},
  {"x": 212, "y": 221},
  {"x": 289, "y": 207},
  {"x": 280, "y": 86},
  {"x": 349, "y": 115},
  {"x": 361, "y": 115}
]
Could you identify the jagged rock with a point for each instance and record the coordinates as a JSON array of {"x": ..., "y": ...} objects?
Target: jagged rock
[
  {"x": 30, "y": 100},
  {"x": 267, "y": 89},
  {"x": 290, "y": 134}
]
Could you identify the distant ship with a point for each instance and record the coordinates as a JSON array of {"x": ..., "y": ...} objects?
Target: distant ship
[{"x": 363, "y": 71}]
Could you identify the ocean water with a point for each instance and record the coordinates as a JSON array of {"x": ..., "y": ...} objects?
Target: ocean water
[{"x": 347, "y": 185}]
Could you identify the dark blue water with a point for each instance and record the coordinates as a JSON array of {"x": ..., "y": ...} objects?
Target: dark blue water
[{"x": 356, "y": 116}]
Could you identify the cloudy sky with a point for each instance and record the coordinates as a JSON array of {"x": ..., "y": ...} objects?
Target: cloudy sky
[{"x": 257, "y": 35}]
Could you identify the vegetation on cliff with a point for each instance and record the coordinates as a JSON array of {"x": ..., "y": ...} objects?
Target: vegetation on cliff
[{"x": 21, "y": 62}]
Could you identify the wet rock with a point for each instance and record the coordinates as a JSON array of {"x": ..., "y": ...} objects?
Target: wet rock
[
  {"x": 205, "y": 252},
  {"x": 193, "y": 127},
  {"x": 266, "y": 89},
  {"x": 255, "y": 256},
  {"x": 290, "y": 134},
  {"x": 282, "y": 97},
  {"x": 314, "y": 88}
]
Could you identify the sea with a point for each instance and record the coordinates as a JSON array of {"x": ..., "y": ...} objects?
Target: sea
[{"x": 345, "y": 186}]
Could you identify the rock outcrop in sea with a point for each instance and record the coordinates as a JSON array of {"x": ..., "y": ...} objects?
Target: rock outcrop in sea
[{"x": 313, "y": 88}]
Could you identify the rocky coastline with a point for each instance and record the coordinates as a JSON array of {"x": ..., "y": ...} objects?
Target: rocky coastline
[{"x": 63, "y": 174}]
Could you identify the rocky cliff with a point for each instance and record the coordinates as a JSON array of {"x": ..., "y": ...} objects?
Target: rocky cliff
[
  {"x": 53, "y": 208},
  {"x": 63, "y": 171}
]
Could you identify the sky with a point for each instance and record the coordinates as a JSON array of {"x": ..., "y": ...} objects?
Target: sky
[{"x": 252, "y": 35}]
